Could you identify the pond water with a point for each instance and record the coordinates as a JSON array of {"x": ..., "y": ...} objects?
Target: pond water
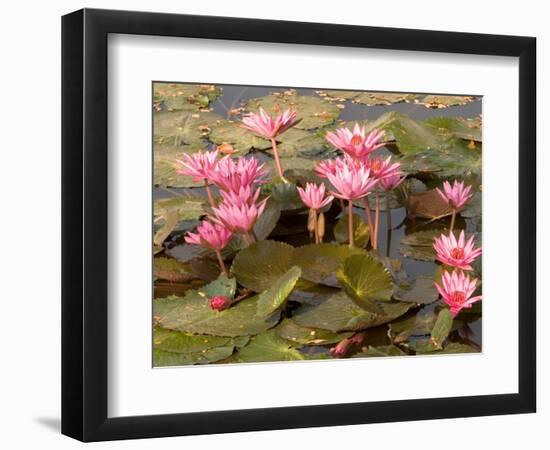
[{"x": 233, "y": 96}]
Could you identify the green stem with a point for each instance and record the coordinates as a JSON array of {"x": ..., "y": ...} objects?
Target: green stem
[
  {"x": 369, "y": 219},
  {"x": 376, "y": 219},
  {"x": 221, "y": 263},
  {"x": 453, "y": 218},
  {"x": 350, "y": 222}
]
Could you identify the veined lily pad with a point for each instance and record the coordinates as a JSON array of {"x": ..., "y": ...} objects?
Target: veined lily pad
[
  {"x": 441, "y": 329},
  {"x": 182, "y": 96},
  {"x": 171, "y": 269},
  {"x": 383, "y": 98},
  {"x": 295, "y": 141},
  {"x": 366, "y": 281},
  {"x": 422, "y": 292},
  {"x": 444, "y": 101},
  {"x": 274, "y": 298},
  {"x": 164, "y": 359},
  {"x": 361, "y": 231},
  {"x": 170, "y": 220},
  {"x": 286, "y": 196},
  {"x": 313, "y": 112},
  {"x": 383, "y": 350},
  {"x": 241, "y": 139},
  {"x": 178, "y": 342},
  {"x": 337, "y": 312},
  {"x": 290, "y": 330},
  {"x": 187, "y": 208},
  {"x": 183, "y": 129},
  {"x": 320, "y": 262},
  {"x": 334, "y": 95},
  {"x": 268, "y": 346},
  {"x": 427, "y": 205},
  {"x": 260, "y": 265},
  {"x": 467, "y": 129}
]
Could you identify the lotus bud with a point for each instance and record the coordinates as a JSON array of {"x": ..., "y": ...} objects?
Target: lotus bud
[
  {"x": 321, "y": 226},
  {"x": 311, "y": 221},
  {"x": 220, "y": 302}
]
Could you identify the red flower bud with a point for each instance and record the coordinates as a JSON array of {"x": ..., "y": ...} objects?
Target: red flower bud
[{"x": 220, "y": 302}]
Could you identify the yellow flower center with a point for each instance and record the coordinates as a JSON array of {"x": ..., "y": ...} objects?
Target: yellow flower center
[{"x": 356, "y": 139}]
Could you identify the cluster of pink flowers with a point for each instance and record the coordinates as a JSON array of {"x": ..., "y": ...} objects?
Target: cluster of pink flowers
[
  {"x": 239, "y": 208},
  {"x": 456, "y": 287}
]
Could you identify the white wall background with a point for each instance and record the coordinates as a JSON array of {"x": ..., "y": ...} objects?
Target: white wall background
[{"x": 30, "y": 177}]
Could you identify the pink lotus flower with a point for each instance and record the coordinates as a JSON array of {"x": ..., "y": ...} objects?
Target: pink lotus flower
[
  {"x": 220, "y": 302},
  {"x": 355, "y": 143},
  {"x": 392, "y": 181},
  {"x": 314, "y": 196},
  {"x": 351, "y": 183},
  {"x": 331, "y": 166},
  {"x": 455, "y": 253},
  {"x": 267, "y": 126},
  {"x": 245, "y": 194},
  {"x": 381, "y": 169},
  {"x": 198, "y": 165},
  {"x": 457, "y": 195},
  {"x": 231, "y": 176},
  {"x": 239, "y": 217},
  {"x": 213, "y": 236},
  {"x": 457, "y": 290}
]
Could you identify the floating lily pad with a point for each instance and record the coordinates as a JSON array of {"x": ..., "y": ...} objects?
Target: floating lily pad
[
  {"x": 290, "y": 330},
  {"x": 268, "y": 346},
  {"x": 286, "y": 196},
  {"x": 417, "y": 323},
  {"x": 456, "y": 347},
  {"x": 383, "y": 98},
  {"x": 333, "y": 95},
  {"x": 361, "y": 231},
  {"x": 422, "y": 291},
  {"x": 313, "y": 112},
  {"x": 274, "y": 298},
  {"x": 419, "y": 245},
  {"x": 441, "y": 329},
  {"x": 178, "y": 342},
  {"x": 241, "y": 139},
  {"x": 383, "y": 350},
  {"x": 444, "y": 101},
  {"x": 185, "y": 207},
  {"x": 181, "y": 96},
  {"x": 337, "y": 312},
  {"x": 320, "y": 262},
  {"x": 261, "y": 264},
  {"x": 427, "y": 205},
  {"x": 171, "y": 269},
  {"x": 205, "y": 268},
  {"x": 170, "y": 220},
  {"x": 165, "y": 359},
  {"x": 467, "y": 129},
  {"x": 295, "y": 141},
  {"x": 473, "y": 207},
  {"x": 366, "y": 281},
  {"x": 183, "y": 129}
]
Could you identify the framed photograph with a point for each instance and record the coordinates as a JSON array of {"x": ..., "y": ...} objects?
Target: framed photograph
[{"x": 274, "y": 225}]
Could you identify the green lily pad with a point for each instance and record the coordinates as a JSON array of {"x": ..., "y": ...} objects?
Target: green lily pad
[
  {"x": 473, "y": 207},
  {"x": 419, "y": 245},
  {"x": 427, "y": 205},
  {"x": 182, "y": 96},
  {"x": 205, "y": 268},
  {"x": 260, "y": 265},
  {"x": 187, "y": 131},
  {"x": 241, "y": 139},
  {"x": 291, "y": 331},
  {"x": 170, "y": 220},
  {"x": 267, "y": 346},
  {"x": 467, "y": 129},
  {"x": 457, "y": 347},
  {"x": 361, "y": 232},
  {"x": 313, "y": 112},
  {"x": 320, "y": 262},
  {"x": 185, "y": 207},
  {"x": 382, "y": 350},
  {"x": 164, "y": 359},
  {"x": 444, "y": 101},
  {"x": 422, "y": 292},
  {"x": 178, "y": 342},
  {"x": 383, "y": 98},
  {"x": 413, "y": 324},
  {"x": 286, "y": 196},
  {"x": 274, "y": 298},
  {"x": 171, "y": 269},
  {"x": 295, "y": 142},
  {"x": 366, "y": 281},
  {"x": 337, "y": 312},
  {"x": 334, "y": 95}
]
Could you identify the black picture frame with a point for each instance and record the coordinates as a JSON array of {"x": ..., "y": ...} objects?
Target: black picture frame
[{"x": 84, "y": 224}]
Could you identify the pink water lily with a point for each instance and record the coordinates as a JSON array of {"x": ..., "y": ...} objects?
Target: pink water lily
[
  {"x": 455, "y": 195},
  {"x": 213, "y": 236},
  {"x": 356, "y": 142},
  {"x": 456, "y": 289},
  {"x": 457, "y": 253},
  {"x": 198, "y": 165},
  {"x": 352, "y": 183},
  {"x": 383, "y": 168},
  {"x": 314, "y": 196},
  {"x": 210, "y": 235},
  {"x": 392, "y": 181},
  {"x": 239, "y": 217},
  {"x": 326, "y": 166},
  {"x": 268, "y": 127},
  {"x": 231, "y": 175}
]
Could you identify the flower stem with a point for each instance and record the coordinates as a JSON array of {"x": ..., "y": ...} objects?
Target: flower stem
[
  {"x": 277, "y": 160},
  {"x": 376, "y": 219},
  {"x": 350, "y": 222},
  {"x": 316, "y": 226},
  {"x": 209, "y": 192},
  {"x": 453, "y": 218},
  {"x": 389, "y": 224},
  {"x": 342, "y": 205},
  {"x": 221, "y": 263},
  {"x": 369, "y": 220}
]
